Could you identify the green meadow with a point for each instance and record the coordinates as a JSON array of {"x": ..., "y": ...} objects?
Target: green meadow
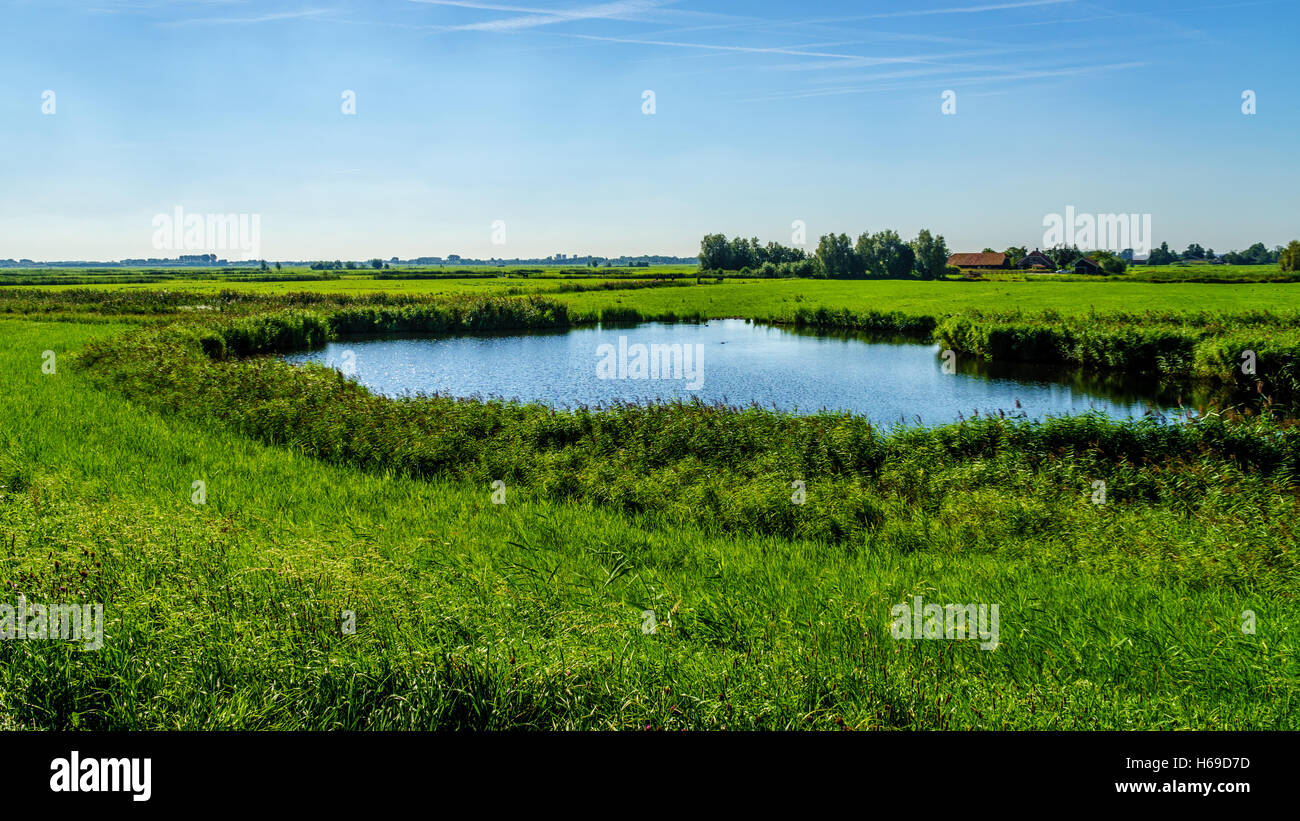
[
  {"x": 276, "y": 548},
  {"x": 764, "y": 299},
  {"x": 760, "y": 298}
]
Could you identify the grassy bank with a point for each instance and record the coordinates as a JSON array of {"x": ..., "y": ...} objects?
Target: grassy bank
[{"x": 1258, "y": 350}]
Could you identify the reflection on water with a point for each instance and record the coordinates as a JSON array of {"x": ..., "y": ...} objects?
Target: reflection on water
[
  {"x": 1114, "y": 386},
  {"x": 739, "y": 363}
]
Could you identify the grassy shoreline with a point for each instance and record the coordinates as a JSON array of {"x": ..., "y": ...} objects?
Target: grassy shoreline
[{"x": 1173, "y": 341}]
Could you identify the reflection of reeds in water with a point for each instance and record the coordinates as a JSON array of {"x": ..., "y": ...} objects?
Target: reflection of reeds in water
[{"x": 1180, "y": 351}]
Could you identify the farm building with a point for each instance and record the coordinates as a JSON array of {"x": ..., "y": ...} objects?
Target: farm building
[
  {"x": 1037, "y": 259},
  {"x": 984, "y": 260},
  {"x": 1087, "y": 265}
]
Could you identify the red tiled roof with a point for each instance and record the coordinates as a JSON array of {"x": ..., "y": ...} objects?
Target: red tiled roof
[{"x": 971, "y": 260}]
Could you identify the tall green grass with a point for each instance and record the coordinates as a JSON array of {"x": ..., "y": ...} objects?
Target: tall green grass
[{"x": 1212, "y": 348}]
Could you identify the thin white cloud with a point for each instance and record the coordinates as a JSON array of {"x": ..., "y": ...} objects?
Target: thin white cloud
[
  {"x": 261, "y": 18},
  {"x": 967, "y": 81},
  {"x": 952, "y": 10},
  {"x": 793, "y": 52},
  {"x": 1018, "y": 48},
  {"x": 1078, "y": 71},
  {"x": 534, "y": 17}
]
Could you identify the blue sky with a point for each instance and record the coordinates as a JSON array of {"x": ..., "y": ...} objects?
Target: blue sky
[{"x": 531, "y": 112}]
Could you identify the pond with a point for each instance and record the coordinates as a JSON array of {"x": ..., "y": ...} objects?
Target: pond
[{"x": 735, "y": 362}]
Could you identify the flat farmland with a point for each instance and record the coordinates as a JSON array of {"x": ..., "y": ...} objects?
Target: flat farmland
[{"x": 758, "y": 298}]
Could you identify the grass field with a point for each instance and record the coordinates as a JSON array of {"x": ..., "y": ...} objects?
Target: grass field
[
  {"x": 418, "y": 278},
  {"x": 755, "y": 297},
  {"x": 529, "y": 614},
  {"x": 760, "y": 299},
  {"x": 1069, "y": 293}
]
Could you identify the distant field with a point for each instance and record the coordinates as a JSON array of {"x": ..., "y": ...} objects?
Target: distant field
[
  {"x": 1221, "y": 274},
  {"x": 347, "y": 285},
  {"x": 765, "y": 298},
  {"x": 760, "y": 298},
  {"x": 292, "y": 276}
]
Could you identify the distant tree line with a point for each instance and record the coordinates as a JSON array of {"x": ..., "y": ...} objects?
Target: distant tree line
[
  {"x": 719, "y": 254},
  {"x": 1065, "y": 255},
  {"x": 1256, "y": 254},
  {"x": 883, "y": 255},
  {"x": 339, "y": 265}
]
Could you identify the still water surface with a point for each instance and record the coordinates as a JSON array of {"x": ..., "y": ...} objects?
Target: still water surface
[{"x": 737, "y": 363}]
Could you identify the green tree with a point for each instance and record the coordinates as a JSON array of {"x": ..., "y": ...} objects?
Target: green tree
[
  {"x": 868, "y": 257},
  {"x": 1110, "y": 263},
  {"x": 742, "y": 254},
  {"x": 900, "y": 259},
  {"x": 806, "y": 267},
  {"x": 1258, "y": 254},
  {"x": 931, "y": 255},
  {"x": 1064, "y": 256},
  {"x": 835, "y": 254},
  {"x": 1162, "y": 255},
  {"x": 1289, "y": 259},
  {"x": 884, "y": 254},
  {"x": 715, "y": 253},
  {"x": 777, "y": 254}
]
